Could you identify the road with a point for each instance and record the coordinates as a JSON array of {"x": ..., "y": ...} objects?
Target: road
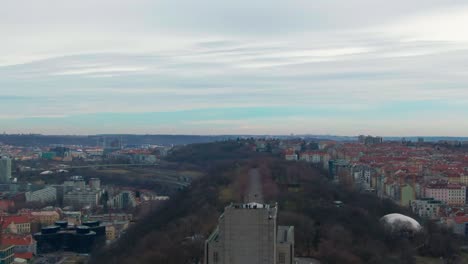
[
  {"x": 176, "y": 182},
  {"x": 113, "y": 165},
  {"x": 254, "y": 190}
]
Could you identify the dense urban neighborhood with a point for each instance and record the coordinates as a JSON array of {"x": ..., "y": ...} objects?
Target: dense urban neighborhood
[
  {"x": 430, "y": 178},
  {"x": 74, "y": 199}
]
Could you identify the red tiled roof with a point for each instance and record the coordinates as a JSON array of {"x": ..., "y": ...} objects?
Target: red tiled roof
[
  {"x": 25, "y": 255},
  {"x": 17, "y": 219},
  {"x": 5, "y": 204},
  {"x": 17, "y": 240},
  {"x": 458, "y": 212},
  {"x": 461, "y": 219},
  {"x": 441, "y": 185}
]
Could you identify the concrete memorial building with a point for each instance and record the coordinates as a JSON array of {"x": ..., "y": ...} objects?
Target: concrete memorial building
[{"x": 248, "y": 234}]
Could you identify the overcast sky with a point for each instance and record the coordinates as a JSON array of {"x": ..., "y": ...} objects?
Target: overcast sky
[{"x": 345, "y": 67}]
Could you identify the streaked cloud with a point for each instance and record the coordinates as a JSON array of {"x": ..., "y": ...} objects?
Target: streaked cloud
[{"x": 344, "y": 65}]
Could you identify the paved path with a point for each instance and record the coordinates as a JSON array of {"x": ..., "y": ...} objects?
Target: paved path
[
  {"x": 306, "y": 261},
  {"x": 254, "y": 190}
]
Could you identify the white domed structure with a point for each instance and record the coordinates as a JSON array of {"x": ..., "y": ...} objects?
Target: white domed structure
[{"x": 399, "y": 222}]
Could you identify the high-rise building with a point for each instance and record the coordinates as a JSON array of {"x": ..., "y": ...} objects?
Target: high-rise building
[
  {"x": 247, "y": 233},
  {"x": 81, "y": 198},
  {"x": 369, "y": 140},
  {"x": 362, "y": 139},
  {"x": 74, "y": 183},
  {"x": 95, "y": 184},
  {"x": 123, "y": 200},
  {"x": 5, "y": 169}
]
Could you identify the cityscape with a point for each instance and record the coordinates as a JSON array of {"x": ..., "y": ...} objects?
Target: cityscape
[
  {"x": 46, "y": 208},
  {"x": 63, "y": 203}
]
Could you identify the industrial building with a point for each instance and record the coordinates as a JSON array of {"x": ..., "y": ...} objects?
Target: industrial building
[
  {"x": 248, "y": 233},
  {"x": 48, "y": 194}
]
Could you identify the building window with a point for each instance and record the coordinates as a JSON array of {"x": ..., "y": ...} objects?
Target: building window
[
  {"x": 215, "y": 257},
  {"x": 281, "y": 258}
]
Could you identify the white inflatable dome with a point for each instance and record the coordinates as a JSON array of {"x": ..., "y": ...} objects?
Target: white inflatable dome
[{"x": 399, "y": 221}]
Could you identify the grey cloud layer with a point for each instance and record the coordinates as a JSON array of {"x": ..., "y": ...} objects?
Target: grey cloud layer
[{"x": 81, "y": 57}]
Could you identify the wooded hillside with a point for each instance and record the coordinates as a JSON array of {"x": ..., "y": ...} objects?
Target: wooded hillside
[{"x": 174, "y": 233}]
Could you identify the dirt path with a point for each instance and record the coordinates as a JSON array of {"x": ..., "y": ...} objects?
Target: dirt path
[{"x": 254, "y": 191}]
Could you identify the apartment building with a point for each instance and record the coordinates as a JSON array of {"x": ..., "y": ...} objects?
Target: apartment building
[
  {"x": 16, "y": 224},
  {"x": 7, "y": 255},
  {"x": 452, "y": 194},
  {"x": 123, "y": 200},
  {"x": 427, "y": 207},
  {"x": 45, "y": 217},
  {"x": 81, "y": 198}
]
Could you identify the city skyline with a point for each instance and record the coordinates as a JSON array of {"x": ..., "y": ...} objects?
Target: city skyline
[{"x": 205, "y": 67}]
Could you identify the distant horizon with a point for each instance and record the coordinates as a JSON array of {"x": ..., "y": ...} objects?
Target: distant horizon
[
  {"x": 237, "y": 67},
  {"x": 229, "y": 135}
]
